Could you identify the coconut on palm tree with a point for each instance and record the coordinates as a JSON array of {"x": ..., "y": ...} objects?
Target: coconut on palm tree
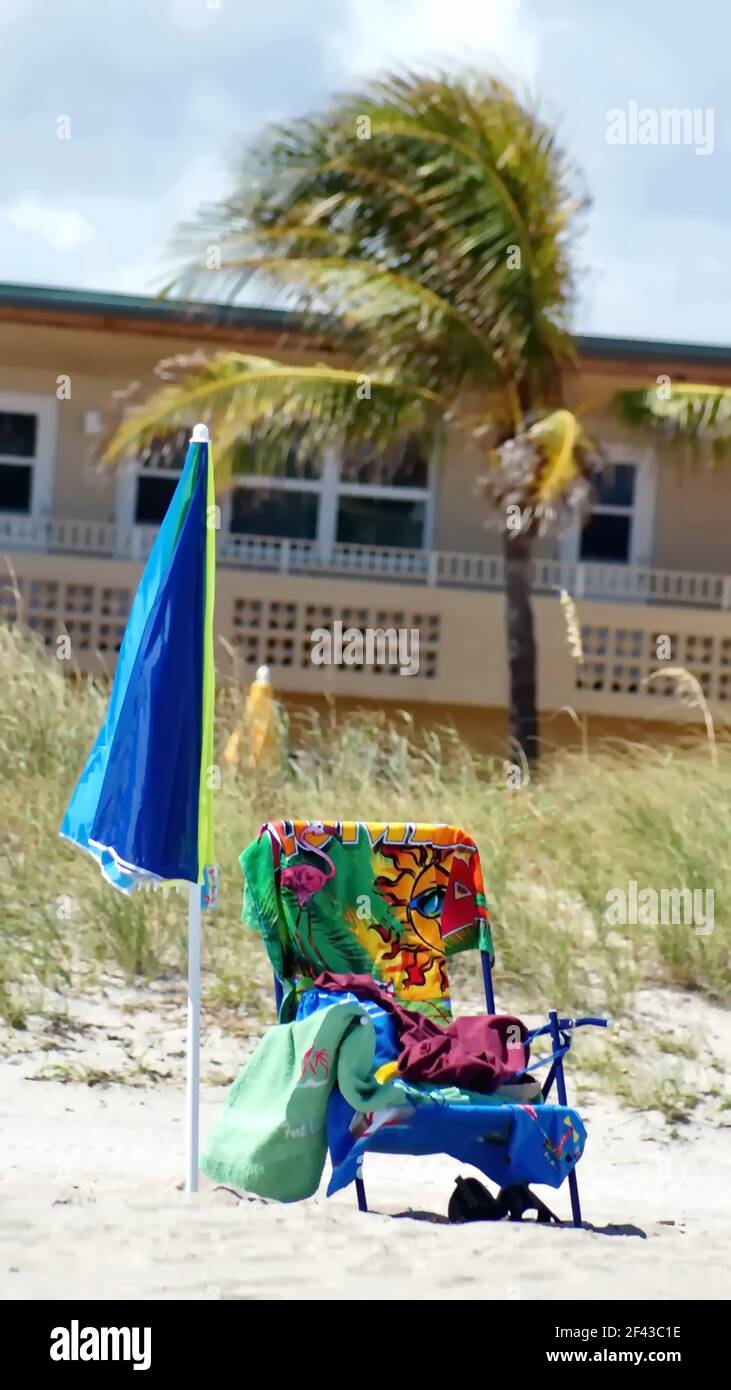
[{"x": 425, "y": 225}]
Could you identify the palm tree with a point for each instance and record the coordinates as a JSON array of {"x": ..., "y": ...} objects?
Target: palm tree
[{"x": 424, "y": 226}]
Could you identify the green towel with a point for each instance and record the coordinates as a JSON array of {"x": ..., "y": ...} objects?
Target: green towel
[{"x": 271, "y": 1138}]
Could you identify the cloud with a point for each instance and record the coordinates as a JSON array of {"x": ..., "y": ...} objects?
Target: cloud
[
  {"x": 63, "y": 229},
  {"x": 163, "y": 99},
  {"x": 400, "y": 33}
]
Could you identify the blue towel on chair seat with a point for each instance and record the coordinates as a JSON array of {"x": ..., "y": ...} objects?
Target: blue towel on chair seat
[{"x": 510, "y": 1144}]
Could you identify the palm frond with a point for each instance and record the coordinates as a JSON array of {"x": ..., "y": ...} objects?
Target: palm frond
[
  {"x": 695, "y": 414},
  {"x": 458, "y": 188},
  {"x": 365, "y": 295},
  {"x": 256, "y": 407}
]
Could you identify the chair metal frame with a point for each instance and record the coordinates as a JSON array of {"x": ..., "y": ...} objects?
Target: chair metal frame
[{"x": 560, "y": 1032}]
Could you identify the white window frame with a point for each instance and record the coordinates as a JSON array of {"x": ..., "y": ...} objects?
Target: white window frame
[
  {"x": 126, "y": 492},
  {"x": 328, "y": 487},
  {"x": 386, "y": 493},
  {"x": 642, "y": 511},
  {"x": 134, "y": 537},
  {"x": 272, "y": 482},
  {"x": 43, "y": 464}
]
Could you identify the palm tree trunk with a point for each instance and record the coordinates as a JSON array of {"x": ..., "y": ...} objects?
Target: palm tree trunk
[{"x": 517, "y": 551}]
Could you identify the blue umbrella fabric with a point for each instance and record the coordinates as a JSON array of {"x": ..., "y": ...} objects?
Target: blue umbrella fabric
[{"x": 142, "y": 806}]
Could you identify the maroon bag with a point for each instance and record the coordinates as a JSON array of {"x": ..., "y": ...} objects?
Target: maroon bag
[{"x": 478, "y": 1053}]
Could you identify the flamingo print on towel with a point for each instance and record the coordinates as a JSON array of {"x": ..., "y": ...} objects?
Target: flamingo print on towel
[{"x": 305, "y": 880}]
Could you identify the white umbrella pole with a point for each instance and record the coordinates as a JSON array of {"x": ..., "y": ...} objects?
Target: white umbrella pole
[
  {"x": 192, "y": 1094},
  {"x": 192, "y": 1097}
]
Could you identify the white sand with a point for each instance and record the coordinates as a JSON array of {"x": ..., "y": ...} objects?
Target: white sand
[{"x": 91, "y": 1202}]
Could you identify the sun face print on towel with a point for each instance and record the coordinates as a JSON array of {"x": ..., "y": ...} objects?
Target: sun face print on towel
[{"x": 390, "y": 900}]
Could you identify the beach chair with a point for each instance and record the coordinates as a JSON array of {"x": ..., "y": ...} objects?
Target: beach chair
[{"x": 396, "y": 902}]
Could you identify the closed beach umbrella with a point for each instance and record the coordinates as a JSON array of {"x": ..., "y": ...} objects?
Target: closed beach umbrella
[{"x": 143, "y": 805}]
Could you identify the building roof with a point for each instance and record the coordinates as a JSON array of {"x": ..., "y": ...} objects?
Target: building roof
[
  {"x": 651, "y": 350},
  {"x": 57, "y": 305},
  {"x": 146, "y": 307}
]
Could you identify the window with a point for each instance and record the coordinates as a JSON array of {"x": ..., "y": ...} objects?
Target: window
[
  {"x": 607, "y": 535},
  {"x": 18, "y": 434},
  {"x": 26, "y": 452},
  {"x": 295, "y": 465},
  {"x": 399, "y": 465},
  {"x": 154, "y": 495},
  {"x": 383, "y": 497},
  {"x": 159, "y": 466},
  {"x": 284, "y": 503},
  {"x": 621, "y": 526},
  {"x": 273, "y": 511},
  {"x": 358, "y": 496},
  {"x": 380, "y": 521}
]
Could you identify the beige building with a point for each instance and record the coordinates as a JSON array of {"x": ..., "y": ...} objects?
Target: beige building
[{"x": 339, "y": 539}]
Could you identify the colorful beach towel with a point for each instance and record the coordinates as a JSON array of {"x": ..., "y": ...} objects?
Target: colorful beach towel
[
  {"x": 311, "y": 1085},
  {"x": 271, "y": 1138},
  {"x": 390, "y": 900}
]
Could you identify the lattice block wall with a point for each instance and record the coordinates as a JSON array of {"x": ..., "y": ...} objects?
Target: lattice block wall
[
  {"x": 278, "y": 633},
  {"x": 617, "y": 660},
  {"x": 92, "y": 616}
]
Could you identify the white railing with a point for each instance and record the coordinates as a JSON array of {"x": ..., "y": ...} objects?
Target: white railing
[
  {"x": 442, "y": 568},
  {"x": 59, "y": 536}
]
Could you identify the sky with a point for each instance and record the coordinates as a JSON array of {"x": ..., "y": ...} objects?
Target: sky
[{"x": 155, "y": 100}]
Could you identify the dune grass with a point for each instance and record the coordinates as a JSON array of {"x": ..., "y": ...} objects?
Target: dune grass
[{"x": 550, "y": 851}]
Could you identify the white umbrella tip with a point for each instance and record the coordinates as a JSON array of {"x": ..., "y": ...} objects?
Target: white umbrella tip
[{"x": 200, "y": 434}]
